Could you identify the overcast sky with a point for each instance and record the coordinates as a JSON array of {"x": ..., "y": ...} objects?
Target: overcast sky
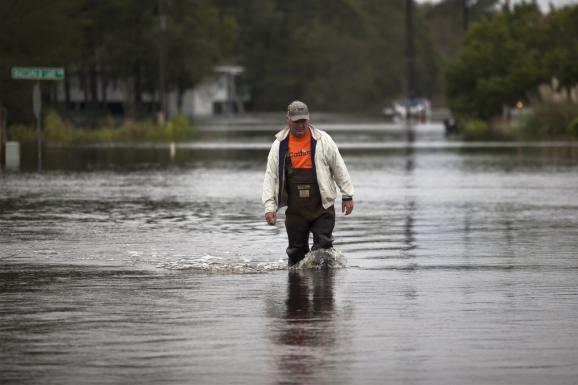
[{"x": 544, "y": 4}]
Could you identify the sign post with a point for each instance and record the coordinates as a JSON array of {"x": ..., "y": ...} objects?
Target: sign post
[
  {"x": 2, "y": 140},
  {"x": 37, "y": 73}
]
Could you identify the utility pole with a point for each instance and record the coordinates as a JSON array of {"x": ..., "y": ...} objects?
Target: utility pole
[
  {"x": 409, "y": 50},
  {"x": 162, "y": 63},
  {"x": 465, "y": 14},
  {"x": 2, "y": 139}
]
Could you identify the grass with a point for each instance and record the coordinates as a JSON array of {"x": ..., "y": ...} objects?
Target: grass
[
  {"x": 57, "y": 130},
  {"x": 545, "y": 121}
]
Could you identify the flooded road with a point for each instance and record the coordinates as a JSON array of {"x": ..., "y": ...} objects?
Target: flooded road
[{"x": 153, "y": 264}]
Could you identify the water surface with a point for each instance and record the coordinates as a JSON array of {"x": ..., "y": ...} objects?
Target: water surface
[{"x": 154, "y": 265}]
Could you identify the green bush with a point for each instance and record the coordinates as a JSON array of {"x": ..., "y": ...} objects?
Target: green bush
[
  {"x": 57, "y": 130},
  {"x": 180, "y": 129},
  {"x": 573, "y": 127},
  {"x": 475, "y": 129},
  {"x": 177, "y": 129},
  {"x": 22, "y": 133}
]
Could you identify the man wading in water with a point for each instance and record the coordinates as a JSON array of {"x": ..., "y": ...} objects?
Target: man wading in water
[{"x": 303, "y": 167}]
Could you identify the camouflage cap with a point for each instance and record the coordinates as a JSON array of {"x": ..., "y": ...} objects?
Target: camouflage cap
[{"x": 297, "y": 110}]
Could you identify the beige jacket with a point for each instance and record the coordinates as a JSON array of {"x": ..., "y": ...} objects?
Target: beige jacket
[{"x": 329, "y": 166}]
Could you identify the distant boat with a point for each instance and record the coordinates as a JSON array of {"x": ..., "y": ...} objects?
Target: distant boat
[{"x": 410, "y": 109}]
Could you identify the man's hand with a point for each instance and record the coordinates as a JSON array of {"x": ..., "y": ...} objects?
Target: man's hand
[
  {"x": 347, "y": 207},
  {"x": 271, "y": 218}
]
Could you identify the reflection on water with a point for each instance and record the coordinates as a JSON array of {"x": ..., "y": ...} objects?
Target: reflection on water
[
  {"x": 154, "y": 265},
  {"x": 308, "y": 335}
]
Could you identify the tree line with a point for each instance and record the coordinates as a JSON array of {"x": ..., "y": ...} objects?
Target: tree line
[
  {"x": 339, "y": 55},
  {"x": 506, "y": 57}
]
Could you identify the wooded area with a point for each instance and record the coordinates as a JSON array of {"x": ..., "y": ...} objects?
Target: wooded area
[
  {"x": 506, "y": 57},
  {"x": 337, "y": 54}
]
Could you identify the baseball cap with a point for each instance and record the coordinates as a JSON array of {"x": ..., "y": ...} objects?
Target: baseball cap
[{"x": 297, "y": 110}]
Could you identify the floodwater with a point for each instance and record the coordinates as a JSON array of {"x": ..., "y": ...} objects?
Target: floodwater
[{"x": 154, "y": 265}]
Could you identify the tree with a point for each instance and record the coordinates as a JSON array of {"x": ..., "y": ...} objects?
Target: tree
[
  {"x": 123, "y": 38},
  {"x": 198, "y": 37},
  {"x": 498, "y": 63},
  {"x": 35, "y": 33},
  {"x": 560, "y": 45},
  {"x": 341, "y": 55},
  {"x": 444, "y": 25}
]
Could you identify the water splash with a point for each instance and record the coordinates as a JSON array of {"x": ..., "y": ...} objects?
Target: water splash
[
  {"x": 317, "y": 259},
  {"x": 220, "y": 267},
  {"x": 322, "y": 259}
]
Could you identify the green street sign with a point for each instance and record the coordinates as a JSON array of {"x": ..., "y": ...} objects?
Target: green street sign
[{"x": 37, "y": 73}]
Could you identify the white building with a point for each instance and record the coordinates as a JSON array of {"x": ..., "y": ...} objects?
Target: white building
[{"x": 215, "y": 95}]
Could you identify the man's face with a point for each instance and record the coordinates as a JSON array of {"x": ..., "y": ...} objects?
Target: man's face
[{"x": 298, "y": 128}]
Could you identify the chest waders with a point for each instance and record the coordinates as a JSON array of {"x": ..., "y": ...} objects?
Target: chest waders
[{"x": 306, "y": 214}]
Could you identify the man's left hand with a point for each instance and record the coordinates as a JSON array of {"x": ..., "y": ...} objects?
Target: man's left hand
[{"x": 347, "y": 207}]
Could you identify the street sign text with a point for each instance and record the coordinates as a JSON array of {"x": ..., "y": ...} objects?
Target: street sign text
[{"x": 37, "y": 73}]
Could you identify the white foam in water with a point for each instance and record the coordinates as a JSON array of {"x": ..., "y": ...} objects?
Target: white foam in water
[
  {"x": 220, "y": 267},
  {"x": 318, "y": 259},
  {"x": 322, "y": 259}
]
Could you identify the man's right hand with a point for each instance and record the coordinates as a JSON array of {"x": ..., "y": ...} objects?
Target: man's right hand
[{"x": 271, "y": 218}]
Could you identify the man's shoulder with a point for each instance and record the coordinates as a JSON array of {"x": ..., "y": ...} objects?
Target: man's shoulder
[
  {"x": 281, "y": 135},
  {"x": 275, "y": 145},
  {"x": 323, "y": 136},
  {"x": 320, "y": 134}
]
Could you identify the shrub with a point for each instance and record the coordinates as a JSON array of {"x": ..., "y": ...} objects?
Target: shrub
[
  {"x": 573, "y": 127},
  {"x": 22, "y": 133},
  {"x": 57, "y": 130},
  {"x": 180, "y": 129},
  {"x": 475, "y": 129},
  {"x": 552, "y": 120}
]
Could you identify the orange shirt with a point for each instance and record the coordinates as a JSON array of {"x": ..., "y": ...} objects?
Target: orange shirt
[{"x": 300, "y": 151}]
